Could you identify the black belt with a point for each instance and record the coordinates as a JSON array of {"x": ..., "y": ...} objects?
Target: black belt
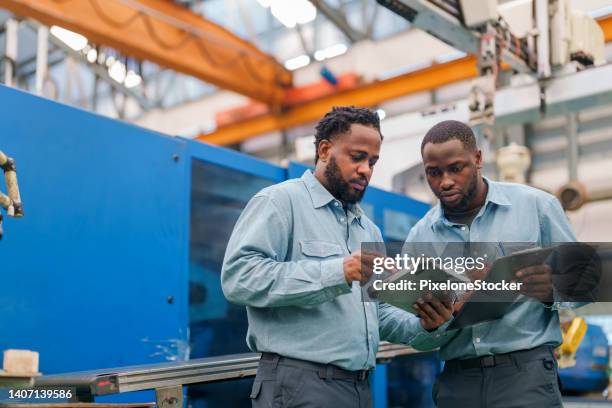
[
  {"x": 325, "y": 371},
  {"x": 497, "y": 359}
]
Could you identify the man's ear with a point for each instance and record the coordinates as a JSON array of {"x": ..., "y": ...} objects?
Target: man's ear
[
  {"x": 478, "y": 155},
  {"x": 324, "y": 150}
]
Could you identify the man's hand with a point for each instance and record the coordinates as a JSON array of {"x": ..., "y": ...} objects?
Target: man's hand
[
  {"x": 536, "y": 282},
  {"x": 358, "y": 266},
  {"x": 433, "y": 313}
]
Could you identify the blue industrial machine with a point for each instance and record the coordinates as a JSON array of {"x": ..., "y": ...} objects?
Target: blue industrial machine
[
  {"x": 118, "y": 259},
  {"x": 592, "y": 364}
]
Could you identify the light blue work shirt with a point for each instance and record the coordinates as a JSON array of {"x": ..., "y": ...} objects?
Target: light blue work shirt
[
  {"x": 512, "y": 213},
  {"x": 284, "y": 261}
]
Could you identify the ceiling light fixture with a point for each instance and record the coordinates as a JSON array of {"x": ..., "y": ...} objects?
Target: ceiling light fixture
[
  {"x": 74, "y": 40},
  {"x": 297, "y": 62}
]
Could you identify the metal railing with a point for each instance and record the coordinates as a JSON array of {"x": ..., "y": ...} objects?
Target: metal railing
[{"x": 167, "y": 379}]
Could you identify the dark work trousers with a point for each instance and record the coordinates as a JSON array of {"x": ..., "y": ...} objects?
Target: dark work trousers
[
  {"x": 284, "y": 383},
  {"x": 521, "y": 379}
]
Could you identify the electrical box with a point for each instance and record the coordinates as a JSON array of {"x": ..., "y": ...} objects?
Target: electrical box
[
  {"x": 478, "y": 12},
  {"x": 587, "y": 40},
  {"x": 575, "y": 36}
]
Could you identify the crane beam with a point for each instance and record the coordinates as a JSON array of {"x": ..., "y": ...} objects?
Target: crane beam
[{"x": 170, "y": 35}]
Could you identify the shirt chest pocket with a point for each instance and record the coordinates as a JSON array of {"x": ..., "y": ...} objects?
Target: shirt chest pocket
[{"x": 320, "y": 249}]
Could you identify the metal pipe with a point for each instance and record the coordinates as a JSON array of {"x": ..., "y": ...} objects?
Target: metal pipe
[
  {"x": 599, "y": 195},
  {"x": 156, "y": 376},
  {"x": 543, "y": 40},
  {"x": 572, "y": 146},
  {"x": 10, "y": 52},
  {"x": 12, "y": 202},
  {"x": 42, "y": 55}
]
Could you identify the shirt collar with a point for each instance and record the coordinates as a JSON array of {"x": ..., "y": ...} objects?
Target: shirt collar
[
  {"x": 321, "y": 197},
  {"x": 318, "y": 194},
  {"x": 495, "y": 195},
  {"x": 355, "y": 212}
]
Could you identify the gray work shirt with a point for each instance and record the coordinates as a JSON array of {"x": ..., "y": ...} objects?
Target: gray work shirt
[
  {"x": 512, "y": 213},
  {"x": 284, "y": 261}
]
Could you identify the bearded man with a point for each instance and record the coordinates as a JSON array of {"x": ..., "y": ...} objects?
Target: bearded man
[
  {"x": 294, "y": 261},
  {"x": 508, "y": 362}
]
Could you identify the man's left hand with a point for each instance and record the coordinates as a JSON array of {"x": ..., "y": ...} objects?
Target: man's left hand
[{"x": 536, "y": 282}]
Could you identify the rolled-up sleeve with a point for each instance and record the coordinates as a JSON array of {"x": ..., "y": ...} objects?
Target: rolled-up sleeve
[
  {"x": 396, "y": 325},
  {"x": 255, "y": 272},
  {"x": 554, "y": 224},
  {"x": 399, "y": 326}
]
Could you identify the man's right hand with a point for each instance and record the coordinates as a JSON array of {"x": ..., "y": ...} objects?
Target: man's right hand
[
  {"x": 358, "y": 266},
  {"x": 433, "y": 312}
]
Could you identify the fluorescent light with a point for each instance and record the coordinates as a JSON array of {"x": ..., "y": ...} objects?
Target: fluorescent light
[
  {"x": 75, "y": 41},
  {"x": 297, "y": 62},
  {"x": 132, "y": 79},
  {"x": 305, "y": 12},
  {"x": 330, "y": 52},
  {"x": 514, "y": 3},
  {"x": 451, "y": 56},
  {"x": 92, "y": 55},
  {"x": 264, "y": 3},
  {"x": 291, "y": 13},
  {"x": 381, "y": 114},
  {"x": 117, "y": 71},
  {"x": 110, "y": 61},
  {"x": 335, "y": 50},
  {"x": 284, "y": 12}
]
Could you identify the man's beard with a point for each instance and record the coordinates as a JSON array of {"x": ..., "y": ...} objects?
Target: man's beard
[
  {"x": 338, "y": 187},
  {"x": 467, "y": 198}
]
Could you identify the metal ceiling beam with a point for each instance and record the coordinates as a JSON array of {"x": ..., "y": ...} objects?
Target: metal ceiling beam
[
  {"x": 339, "y": 21},
  {"x": 443, "y": 21},
  {"x": 169, "y": 35},
  {"x": 438, "y": 22},
  {"x": 564, "y": 94},
  {"x": 367, "y": 95},
  {"x": 102, "y": 72}
]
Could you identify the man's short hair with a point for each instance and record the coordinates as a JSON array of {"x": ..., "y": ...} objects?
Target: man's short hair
[
  {"x": 340, "y": 119},
  {"x": 449, "y": 130}
]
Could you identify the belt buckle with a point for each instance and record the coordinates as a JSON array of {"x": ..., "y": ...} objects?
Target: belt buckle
[
  {"x": 362, "y": 375},
  {"x": 487, "y": 361}
]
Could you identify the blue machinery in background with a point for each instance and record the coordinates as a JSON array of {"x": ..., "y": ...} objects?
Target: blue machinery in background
[
  {"x": 117, "y": 262},
  {"x": 592, "y": 364}
]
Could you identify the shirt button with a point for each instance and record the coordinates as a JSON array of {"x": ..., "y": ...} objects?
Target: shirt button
[
  {"x": 341, "y": 219},
  {"x": 336, "y": 203},
  {"x": 477, "y": 339},
  {"x": 462, "y": 228}
]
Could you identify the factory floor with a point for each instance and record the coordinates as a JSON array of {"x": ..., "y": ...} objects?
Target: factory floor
[{"x": 582, "y": 402}]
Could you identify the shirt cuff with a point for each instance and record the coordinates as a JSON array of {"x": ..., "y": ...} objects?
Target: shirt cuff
[
  {"x": 555, "y": 304},
  {"x": 332, "y": 276},
  {"x": 421, "y": 332}
]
